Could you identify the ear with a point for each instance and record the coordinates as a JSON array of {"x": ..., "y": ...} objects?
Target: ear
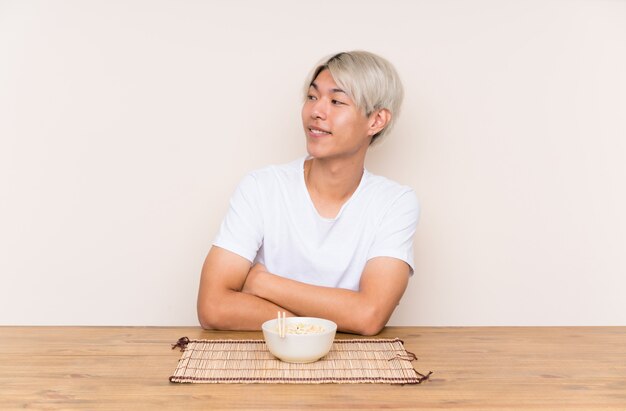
[{"x": 378, "y": 120}]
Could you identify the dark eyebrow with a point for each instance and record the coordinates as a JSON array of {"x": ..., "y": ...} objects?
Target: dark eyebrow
[{"x": 334, "y": 90}]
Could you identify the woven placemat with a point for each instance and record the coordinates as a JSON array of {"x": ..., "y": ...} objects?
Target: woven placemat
[{"x": 249, "y": 361}]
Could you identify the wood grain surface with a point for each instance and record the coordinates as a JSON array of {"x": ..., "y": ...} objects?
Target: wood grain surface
[{"x": 475, "y": 368}]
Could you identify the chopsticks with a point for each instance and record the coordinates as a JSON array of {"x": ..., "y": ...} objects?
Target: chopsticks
[{"x": 282, "y": 324}]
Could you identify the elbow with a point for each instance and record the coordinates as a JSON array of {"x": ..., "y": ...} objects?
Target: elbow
[
  {"x": 371, "y": 330},
  {"x": 209, "y": 315},
  {"x": 371, "y": 322},
  {"x": 206, "y": 321}
]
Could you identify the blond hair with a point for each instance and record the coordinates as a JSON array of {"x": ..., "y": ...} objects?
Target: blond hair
[{"x": 370, "y": 80}]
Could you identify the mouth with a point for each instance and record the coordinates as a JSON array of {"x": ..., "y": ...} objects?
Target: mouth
[{"x": 318, "y": 132}]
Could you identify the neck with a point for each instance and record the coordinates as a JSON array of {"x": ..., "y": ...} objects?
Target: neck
[{"x": 333, "y": 181}]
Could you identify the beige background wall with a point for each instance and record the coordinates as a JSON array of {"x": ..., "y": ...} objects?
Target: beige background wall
[{"x": 125, "y": 126}]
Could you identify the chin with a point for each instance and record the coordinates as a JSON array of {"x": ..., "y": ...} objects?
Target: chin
[{"x": 316, "y": 152}]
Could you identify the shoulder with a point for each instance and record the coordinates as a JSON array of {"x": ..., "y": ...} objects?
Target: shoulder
[
  {"x": 272, "y": 177},
  {"x": 270, "y": 173},
  {"x": 386, "y": 191}
]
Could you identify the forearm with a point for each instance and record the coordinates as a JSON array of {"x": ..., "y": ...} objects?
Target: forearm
[
  {"x": 221, "y": 304},
  {"x": 234, "y": 310},
  {"x": 353, "y": 311}
]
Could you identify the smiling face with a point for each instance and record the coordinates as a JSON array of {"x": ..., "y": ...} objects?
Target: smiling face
[{"x": 334, "y": 126}]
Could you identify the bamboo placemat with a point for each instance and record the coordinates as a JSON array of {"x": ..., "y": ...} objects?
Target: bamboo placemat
[{"x": 249, "y": 361}]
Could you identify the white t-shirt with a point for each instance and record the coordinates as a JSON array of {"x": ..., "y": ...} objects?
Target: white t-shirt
[{"x": 272, "y": 220}]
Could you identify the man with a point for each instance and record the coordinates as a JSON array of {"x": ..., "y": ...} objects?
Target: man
[{"x": 321, "y": 236}]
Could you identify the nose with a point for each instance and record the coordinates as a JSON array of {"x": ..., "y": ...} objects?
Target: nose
[{"x": 319, "y": 109}]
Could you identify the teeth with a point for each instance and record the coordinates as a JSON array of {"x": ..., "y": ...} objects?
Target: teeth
[{"x": 318, "y": 131}]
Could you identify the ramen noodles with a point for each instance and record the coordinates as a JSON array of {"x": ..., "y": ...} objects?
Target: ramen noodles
[{"x": 302, "y": 328}]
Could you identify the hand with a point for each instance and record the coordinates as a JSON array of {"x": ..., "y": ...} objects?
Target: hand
[{"x": 252, "y": 280}]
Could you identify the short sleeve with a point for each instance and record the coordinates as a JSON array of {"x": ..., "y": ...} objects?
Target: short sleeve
[
  {"x": 241, "y": 231},
  {"x": 394, "y": 237}
]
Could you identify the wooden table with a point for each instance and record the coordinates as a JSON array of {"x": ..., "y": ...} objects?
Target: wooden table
[{"x": 501, "y": 368}]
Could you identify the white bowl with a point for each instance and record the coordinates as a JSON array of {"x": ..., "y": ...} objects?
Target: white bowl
[{"x": 299, "y": 348}]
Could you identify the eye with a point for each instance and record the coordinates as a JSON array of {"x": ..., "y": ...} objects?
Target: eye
[
  {"x": 311, "y": 97},
  {"x": 337, "y": 102}
]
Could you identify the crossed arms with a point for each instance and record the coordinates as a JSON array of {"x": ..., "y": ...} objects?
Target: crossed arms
[{"x": 234, "y": 295}]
